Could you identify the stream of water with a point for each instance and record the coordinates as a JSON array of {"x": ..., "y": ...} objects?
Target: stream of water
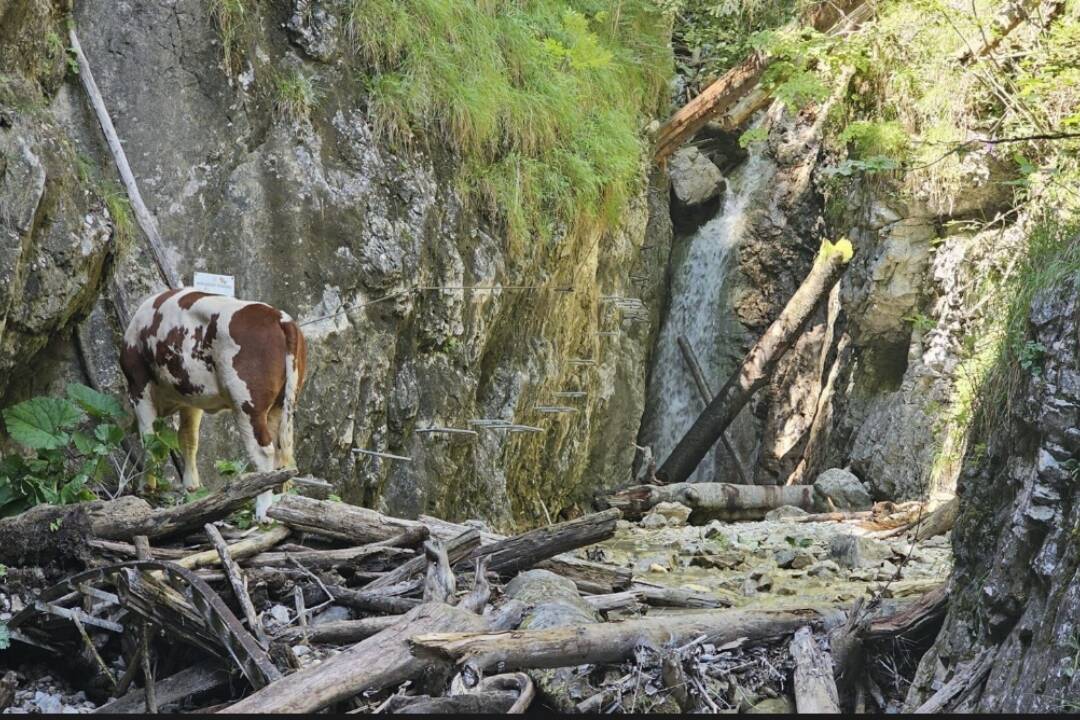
[{"x": 698, "y": 303}]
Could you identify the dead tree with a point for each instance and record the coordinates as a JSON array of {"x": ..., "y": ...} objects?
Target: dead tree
[
  {"x": 758, "y": 365},
  {"x": 713, "y": 501},
  {"x": 815, "y": 689}
]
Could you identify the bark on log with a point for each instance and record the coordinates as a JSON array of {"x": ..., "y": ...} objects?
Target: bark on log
[
  {"x": 916, "y": 617},
  {"x": 706, "y": 394},
  {"x": 815, "y": 689},
  {"x": 339, "y": 521},
  {"x": 590, "y": 577},
  {"x": 521, "y": 552},
  {"x": 457, "y": 549},
  {"x": 713, "y": 501},
  {"x": 610, "y": 642},
  {"x": 325, "y": 558},
  {"x": 186, "y": 684},
  {"x": 26, "y": 539},
  {"x": 380, "y": 661},
  {"x": 972, "y": 675},
  {"x": 493, "y": 702},
  {"x": 758, "y": 365},
  {"x": 725, "y": 93},
  {"x": 938, "y": 522},
  {"x": 339, "y": 633},
  {"x": 251, "y": 545}
]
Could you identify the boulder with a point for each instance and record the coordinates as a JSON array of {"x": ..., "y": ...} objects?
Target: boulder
[
  {"x": 842, "y": 489},
  {"x": 850, "y": 551},
  {"x": 654, "y": 521},
  {"x": 694, "y": 178},
  {"x": 675, "y": 513}
]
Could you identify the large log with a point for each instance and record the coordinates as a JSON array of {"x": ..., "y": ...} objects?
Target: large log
[
  {"x": 338, "y": 521},
  {"x": 815, "y": 689},
  {"x": 28, "y": 536},
  {"x": 380, "y": 661},
  {"x": 520, "y": 552},
  {"x": 184, "y": 685},
  {"x": 713, "y": 501},
  {"x": 341, "y": 632},
  {"x": 758, "y": 365},
  {"x": 724, "y": 95},
  {"x": 610, "y": 642},
  {"x": 590, "y": 577}
]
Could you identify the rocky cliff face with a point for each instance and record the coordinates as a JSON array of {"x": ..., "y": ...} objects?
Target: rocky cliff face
[
  {"x": 368, "y": 247},
  {"x": 1015, "y": 593}
]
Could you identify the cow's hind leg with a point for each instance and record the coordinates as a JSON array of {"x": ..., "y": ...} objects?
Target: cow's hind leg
[
  {"x": 260, "y": 450},
  {"x": 190, "y": 419}
]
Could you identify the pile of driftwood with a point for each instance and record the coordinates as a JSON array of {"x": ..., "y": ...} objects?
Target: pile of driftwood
[{"x": 343, "y": 608}]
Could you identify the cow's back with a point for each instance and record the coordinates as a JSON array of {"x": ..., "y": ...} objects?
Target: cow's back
[{"x": 207, "y": 350}]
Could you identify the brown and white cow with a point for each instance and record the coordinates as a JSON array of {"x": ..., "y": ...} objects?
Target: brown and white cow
[{"x": 192, "y": 352}]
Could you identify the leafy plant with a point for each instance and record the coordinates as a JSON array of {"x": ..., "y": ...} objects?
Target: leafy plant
[
  {"x": 1031, "y": 357},
  {"x": 231, "y": 468},
  {"x": 70, "y": 439},
  {"x": 921, "y": 322},
  {"x": 295, "y": 95},
  {"x": 157, "y": 445},
  {"x": 753, "y": 135}
]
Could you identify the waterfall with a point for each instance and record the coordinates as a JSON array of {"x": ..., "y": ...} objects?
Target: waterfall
[{"x": 697, "y": 308}]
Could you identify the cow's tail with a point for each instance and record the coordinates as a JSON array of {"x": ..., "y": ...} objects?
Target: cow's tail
[{"x": 295, "y": 362}]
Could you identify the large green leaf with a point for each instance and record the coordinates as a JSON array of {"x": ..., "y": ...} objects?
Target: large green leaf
[
  {"x": 99, "y": 405},
  {"x": 42, "y": 423}
]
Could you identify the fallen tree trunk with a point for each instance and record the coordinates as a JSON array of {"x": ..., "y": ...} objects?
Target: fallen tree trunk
[
  {"x": 27, "y": 539},
  {"x": 184, "y": 685},
  {"x": 344, "y": 631},
  {"x": 714, "y": 501},
  {"x": 920, "y": 615},
  {"x": 380, "y": 661},
  {"x": 508, "y": 557},
  {"x": 758, "y": 365},
  {"x": 725, "y": 93},
  {"x": 815, "y": 689},
  {"x": 338, "y": 521},
  {"x": 610, "y": 642},
  {"x": 938, "y": 522},
  {"x": 590, "y": 577}
]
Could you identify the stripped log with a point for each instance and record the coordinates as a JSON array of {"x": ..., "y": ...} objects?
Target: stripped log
[
  {"x": 380, "y": 661},
  {"x": 815, "y": 689},
  {"x": 327, "y": 558},
  {"x": 713, "y": 501},
  {"x": 338, "y": 521},
  {"x": 520, "y": 552},
  {"x": 251, "y": 545},
  {"x": 759, "y": 364},
  {"x": 610, "y": 642}
]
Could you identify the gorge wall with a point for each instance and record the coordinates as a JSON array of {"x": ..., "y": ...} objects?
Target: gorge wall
[{"x": 318, "y": 216}]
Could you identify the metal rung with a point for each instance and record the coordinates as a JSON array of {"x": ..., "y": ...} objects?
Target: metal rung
[{"x": 361, "y": 451}]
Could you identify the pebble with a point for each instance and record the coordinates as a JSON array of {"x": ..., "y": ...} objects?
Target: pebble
[{"x": 658, "y": 568}]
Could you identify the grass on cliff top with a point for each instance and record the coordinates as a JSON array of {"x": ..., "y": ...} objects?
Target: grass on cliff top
[{"x": 543, "y": 101}]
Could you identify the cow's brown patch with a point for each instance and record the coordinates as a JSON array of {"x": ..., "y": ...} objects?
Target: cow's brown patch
[
  {"x": 260, "y": 361},
  {"x": 133, "y": 365},
  {"x": 169, "y": 354},
  {"x": 204, "y": 342},
  {"x": 165, "y": 296},
  {"x": 193, "y": 297}
]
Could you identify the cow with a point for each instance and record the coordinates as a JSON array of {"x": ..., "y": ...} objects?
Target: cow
[{"x": 192, "y": 352}]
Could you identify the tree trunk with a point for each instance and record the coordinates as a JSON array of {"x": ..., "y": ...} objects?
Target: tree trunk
[
  {"x": 758, "y": 366},
  {"x": 380, "y": 661},
  {"x": 26, "y": 539},
  {"x": 338, "y": 521},
  {"x": 510, "y": 556},
  {"x": 341, "y": 632},
  {"x": 610, "y": 642},
  {"x": 815, "y": 689},
  {"x": 714, "y": 501},
  {"x": 938, "y": 522}
]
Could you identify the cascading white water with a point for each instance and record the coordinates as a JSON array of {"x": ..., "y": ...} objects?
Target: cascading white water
[{"x": 698, "y": 296}]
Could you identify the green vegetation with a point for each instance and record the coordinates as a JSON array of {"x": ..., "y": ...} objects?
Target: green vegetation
[
  {"x": 295, "y": 95},
  {"x": 542, "y": 101},
  {"x": 71, "y": 439},
  {"x": 235, "y": 21}
]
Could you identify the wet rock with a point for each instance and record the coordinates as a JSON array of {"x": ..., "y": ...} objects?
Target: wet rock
[
  {"x": 694, "y": 178},
  {"x": 654, "y": 521},
  {"x": 334, "y": 613},
  {"x": 824, "y": 569},
  {"x": 851, "y": 551},
  {"x": 785, "y": 511},
  {"x": 839, "y": 489},
  {"x": 675, "y": 513}
]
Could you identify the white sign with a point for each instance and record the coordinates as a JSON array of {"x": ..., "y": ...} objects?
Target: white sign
[{"x": 217, "y": 284}]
